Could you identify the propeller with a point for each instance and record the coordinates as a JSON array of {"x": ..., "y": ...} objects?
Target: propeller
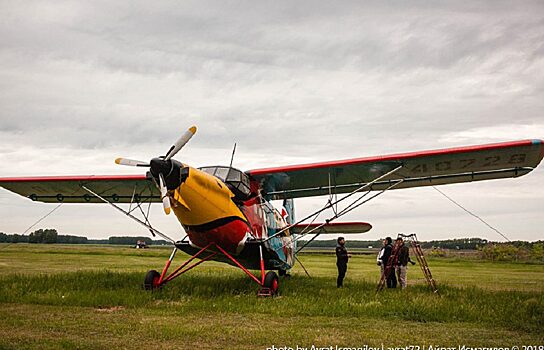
[
  {"x": 163, "y": 166},
  {"x": 180, "y": 142},
  {"x": 130, "y": 162},
  {"x": 164, "y": 195}
]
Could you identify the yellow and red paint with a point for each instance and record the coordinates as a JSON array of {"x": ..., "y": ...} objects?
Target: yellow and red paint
[{"x": 204, "y": 205}]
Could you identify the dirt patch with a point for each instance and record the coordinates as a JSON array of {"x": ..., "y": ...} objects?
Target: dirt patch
[{"x": 110, "y": 309}]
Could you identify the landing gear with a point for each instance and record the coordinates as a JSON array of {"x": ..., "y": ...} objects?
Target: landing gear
[
  {"x": 270, "y": 285},
  {"x": 152, "y": 280},
  {"x": 268, "y": 282}
]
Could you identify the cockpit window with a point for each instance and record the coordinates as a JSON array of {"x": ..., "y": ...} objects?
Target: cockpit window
[
  {"x": 222, "y": 173},
  {"x": 236, "y": 180},
  {"x": 234, "y": 176}
]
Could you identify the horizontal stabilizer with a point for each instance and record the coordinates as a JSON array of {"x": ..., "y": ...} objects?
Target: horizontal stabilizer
[{"x": 345, "y": 228}]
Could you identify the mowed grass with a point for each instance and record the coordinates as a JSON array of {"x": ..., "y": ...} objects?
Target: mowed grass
[{"x": 92, "y": 297}]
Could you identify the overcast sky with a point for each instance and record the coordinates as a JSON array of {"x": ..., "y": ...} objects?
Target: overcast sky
[{"x": 289, "y": 81}]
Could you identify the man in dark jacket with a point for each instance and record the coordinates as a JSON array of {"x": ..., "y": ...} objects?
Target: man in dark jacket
[
  {"x": 387, "y": 251},
  {"x": 342, "y": 258}
]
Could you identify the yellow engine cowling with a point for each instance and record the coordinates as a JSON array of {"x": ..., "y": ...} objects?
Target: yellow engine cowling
[{"x": 203, "y": 198}]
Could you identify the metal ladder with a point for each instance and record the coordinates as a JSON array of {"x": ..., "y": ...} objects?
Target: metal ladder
[
  {"x": 391, "y": 262},
  {"x": 418, "y": 252}
]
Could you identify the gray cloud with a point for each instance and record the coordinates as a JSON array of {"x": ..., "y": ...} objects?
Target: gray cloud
[{"x": 84, "y": 82}]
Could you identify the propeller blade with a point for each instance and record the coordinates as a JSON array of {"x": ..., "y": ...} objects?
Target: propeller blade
[
  {"x": 180, "y": 143},
  {"x": 130, "y": 162},
  {"x": 164, "y": 195}
]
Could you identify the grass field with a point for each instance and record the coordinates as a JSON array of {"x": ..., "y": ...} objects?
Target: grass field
[{"x": 60, "y": 296}]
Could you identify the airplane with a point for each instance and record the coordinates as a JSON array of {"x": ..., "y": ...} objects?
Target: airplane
[{"x": 228, "y": 216}]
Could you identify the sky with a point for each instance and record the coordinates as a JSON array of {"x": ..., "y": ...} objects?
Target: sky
[{"x": 82, "y": 83}]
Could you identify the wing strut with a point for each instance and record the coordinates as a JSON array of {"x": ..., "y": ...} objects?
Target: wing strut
[
  {"x": 149, "y": 227},
  {"x": 349, "y": 208},
  {"x": 298, "y": 260}
]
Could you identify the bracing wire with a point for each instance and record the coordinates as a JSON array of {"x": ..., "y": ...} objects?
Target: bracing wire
[
  {"x": 471, "y": 213},
  {"x": 37, "y": 222},
  {"x": 42, "y": 218},
  {"x": 46, "y": 215}
]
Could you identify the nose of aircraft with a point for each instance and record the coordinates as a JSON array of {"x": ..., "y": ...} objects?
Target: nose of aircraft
[
  {"x": 168, "y": 173},
  {"x": 160, "y": 166},
  {"x": 173, "y": 172}
]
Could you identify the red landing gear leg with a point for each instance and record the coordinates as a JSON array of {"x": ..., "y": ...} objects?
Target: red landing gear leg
[
  {"x": 269, "y": 282},
  {"x": 154, "y": 280},
  {"x": 165, "y": 269}
]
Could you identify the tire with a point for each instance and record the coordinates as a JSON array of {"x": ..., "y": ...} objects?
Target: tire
[
  {"x": 151, "y": 280},
  {"x": 271, "y": 281}
]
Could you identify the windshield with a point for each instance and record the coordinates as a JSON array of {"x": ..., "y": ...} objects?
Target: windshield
[{"x": 237, "y": 180}]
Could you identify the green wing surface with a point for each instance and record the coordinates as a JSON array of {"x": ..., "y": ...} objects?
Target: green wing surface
[
  {"x": 426, "y": 168},
  {"x": 115, "y": 188}
]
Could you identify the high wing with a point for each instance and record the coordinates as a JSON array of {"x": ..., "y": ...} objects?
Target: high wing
[
  {"x": 436, "y": 167},
  {"x": 115, "y": 188}
]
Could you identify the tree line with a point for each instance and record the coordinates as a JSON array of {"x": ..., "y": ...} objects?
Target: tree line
[
  {"x": 51, "y": 236},
  {"x": 462, "y": 243}
]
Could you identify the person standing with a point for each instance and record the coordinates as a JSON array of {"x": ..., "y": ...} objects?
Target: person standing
[
  {"x": 379, "y": 257},
  {"x": 342, "y": 258},
  {"x": 387, "y": 252},
  {"x": 403, "y": 260}
]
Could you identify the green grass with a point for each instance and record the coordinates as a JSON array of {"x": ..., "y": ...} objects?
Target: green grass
[{"x": 97, "y": 301}]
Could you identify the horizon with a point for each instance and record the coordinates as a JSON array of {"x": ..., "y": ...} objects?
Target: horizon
[{"x": 347, "y": 237}]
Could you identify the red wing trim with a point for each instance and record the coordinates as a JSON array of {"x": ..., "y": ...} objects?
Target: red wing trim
[
  {"x": 81, "y": 178},
  {"x": 445, "y": 151}
]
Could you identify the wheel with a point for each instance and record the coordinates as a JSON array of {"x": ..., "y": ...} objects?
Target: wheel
[
  {"x": 151, "y": 280},
  {"x": 271, "y": 281}
]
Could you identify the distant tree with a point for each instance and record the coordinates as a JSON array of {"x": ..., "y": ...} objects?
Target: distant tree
[
  {"x": 50, "y": 236},
  {"x": 460, "y": 243},
  {"x": 36, "y": 236},
  {"x": 43, "y": 236},
  {"x": 15, "y": 238},
  {"x": 537, "y": 252}
]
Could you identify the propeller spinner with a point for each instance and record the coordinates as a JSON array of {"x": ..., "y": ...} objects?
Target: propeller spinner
[{"x": 162, "y": 167}]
